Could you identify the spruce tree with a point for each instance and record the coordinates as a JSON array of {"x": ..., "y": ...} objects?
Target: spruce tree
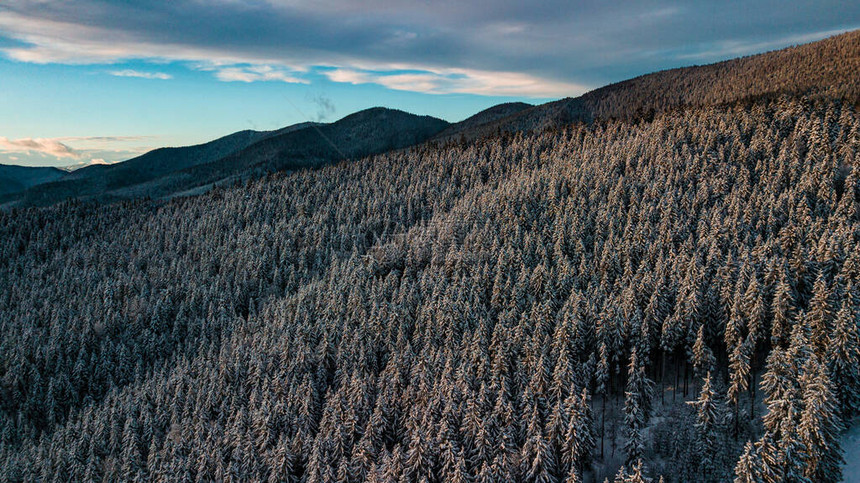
[
  {"x": 703, "y": 358},
  {"x": 782, "y": 309},
  {"x": 637, "y": 403},
  {"x": 820, "y": 425},
  {"x": 748, "y": 468},
  {"x": 709, "y": 416},
  {"x": 819, "y": 316},
  {"x": 843, "y": 361}
]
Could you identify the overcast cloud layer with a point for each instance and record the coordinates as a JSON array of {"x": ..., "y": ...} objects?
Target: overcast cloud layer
[{"x": 508, "y": 48}]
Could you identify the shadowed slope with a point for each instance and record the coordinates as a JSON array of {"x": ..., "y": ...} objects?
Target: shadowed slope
[{"x": 18, "y": 178}]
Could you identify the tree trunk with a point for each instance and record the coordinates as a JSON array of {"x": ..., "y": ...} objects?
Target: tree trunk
[
  {"x": 603, "y": 425},
  {"x": 677, "y": 372},
  {"x": 737, "y": 416},
  {"x": 686, "y": 377},
  {"x": 663, "y": 377},
  {"x": 752, "y": 394}
]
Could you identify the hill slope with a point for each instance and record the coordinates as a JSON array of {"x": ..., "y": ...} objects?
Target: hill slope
[
  {"x": 94, "y": 181},
  {"x": 486, "y": 117},
  {"x": 496, "y": 308},
  {"x": 168, "y": 171},
  {"x": 367, "y": 132},
  {"x": 827, "y": 69},
  {"x": 18, "y": 178}
]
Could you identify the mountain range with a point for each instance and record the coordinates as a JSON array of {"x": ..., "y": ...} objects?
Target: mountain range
[{"x": 824, "y": 69}]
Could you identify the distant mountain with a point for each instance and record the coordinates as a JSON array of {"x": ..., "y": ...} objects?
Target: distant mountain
[
  {"x": 294, "y": 127},
  {"x": 96, "y": 180},
  {"x": 169, "y": 171},
  {"x": 367, "y": 132},
  {"x": 360, "y": 134},
  {"x": 18, "y": 178}
]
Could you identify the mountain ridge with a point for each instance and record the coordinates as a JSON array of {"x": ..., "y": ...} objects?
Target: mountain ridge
[
  {"x": 15, "y": 178},
  {"x": 349, "y": 137},
  {"x": 825, "y": 69}
]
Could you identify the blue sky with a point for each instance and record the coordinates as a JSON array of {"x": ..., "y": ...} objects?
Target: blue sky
[{"x": 104, "y": 80}]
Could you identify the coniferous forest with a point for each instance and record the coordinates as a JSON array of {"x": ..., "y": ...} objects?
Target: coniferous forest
[{"x": 665, "y": 298}]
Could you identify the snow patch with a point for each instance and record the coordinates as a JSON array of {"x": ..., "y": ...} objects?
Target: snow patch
[{"x": 851, "y": 446}]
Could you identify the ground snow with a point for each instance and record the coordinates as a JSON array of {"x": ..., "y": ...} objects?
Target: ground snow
[{"x": 851, "y": 446}]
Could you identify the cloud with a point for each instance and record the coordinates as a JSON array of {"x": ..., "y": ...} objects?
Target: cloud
[
  {"x": 142, "y": 75},
  {"x": 460, "y": 81},
  {"x": 255, "y": 73},
  {"x": 515, "y": 48},
  {"x": 734, "y": 48},
  {"x": 78, "y": 150},
  {"x": 105, "y": 139},
  {"x": 48, "y": 147}
]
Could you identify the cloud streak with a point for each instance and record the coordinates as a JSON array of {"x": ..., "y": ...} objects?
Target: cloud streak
[
  {"x": 43, "y": 146},
  {"x": 460, "y": 81},
  {"x": 139, "y": 74},
  {"x": 256, "y": 73},
  {"x": 77, "y": 150}
]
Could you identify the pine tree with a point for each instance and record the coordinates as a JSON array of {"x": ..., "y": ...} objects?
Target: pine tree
[
  {"x": 703, "y": 358},
  {"x": 783, "y": 312},
  {"x": 637, "y": 402},
  {"x": 132, "y": 463},
  {"x": 820, "y": 315},
  {"x": 748, "y": 468},
  {"x": 781, "y": 391},
  {"x": 633, "y": 476},
  {"x": 282, "y": 462},
  {"x": 800, "y": 347},
  {"x": 537, "y": 453},
  {"x": 780, "y": 449},
  {"x": 769, "y": 459},
  {"x": 792, "y": 452},
  {"x": 820, "y": 425},
  {"x": 573, "y": 476},
  {"x": 843, "y": 361},
  {"x": 601, "y": 378},
  {"x": 709, "y": 415},
  {"x": 578, "y": 443},
  {"x": 754, "y": 310},
  {"x": 739, "y": 376},
  {"x": 418, "y": 458}
]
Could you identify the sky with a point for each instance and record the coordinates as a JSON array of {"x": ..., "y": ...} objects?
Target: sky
[{"x": 102, "y": 81}]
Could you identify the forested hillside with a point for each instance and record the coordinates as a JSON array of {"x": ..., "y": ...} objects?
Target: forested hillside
[
  {"x": 675, "y": 297},
  {"x": 167, "y": 172},
  {"x": 827, "y": 69}
]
